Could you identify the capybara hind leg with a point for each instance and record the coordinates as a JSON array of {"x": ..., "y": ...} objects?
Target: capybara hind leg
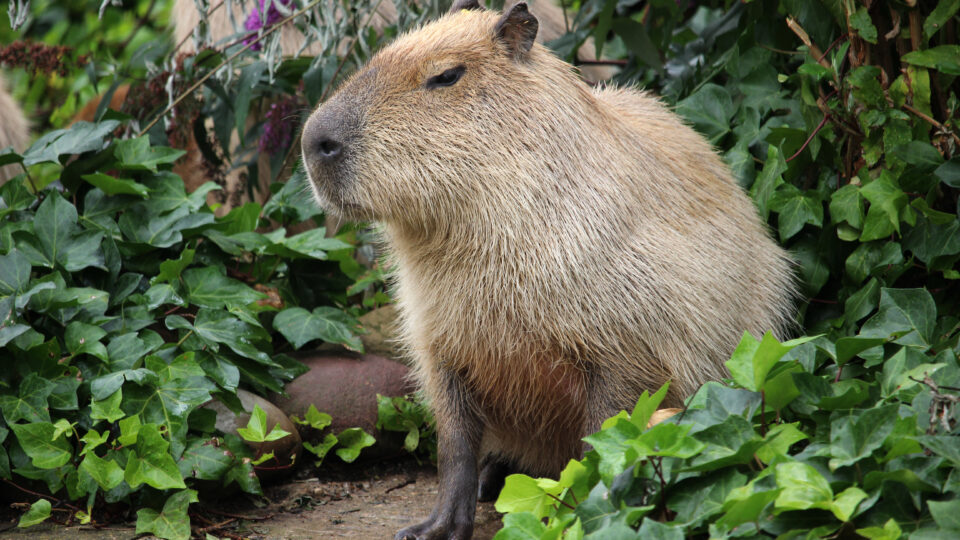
[
  {"x": 458, "y": 440},
  {"x": 492, "y": 476}
]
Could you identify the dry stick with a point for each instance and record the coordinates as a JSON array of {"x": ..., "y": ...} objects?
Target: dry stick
[
  {"x": 932, "y": 122},
  {"x": 915, "y": 30},
  {"x": 204, "y": 79},
  {"x": 805, "y": 38},
  {"x": 326, "y": 91}
]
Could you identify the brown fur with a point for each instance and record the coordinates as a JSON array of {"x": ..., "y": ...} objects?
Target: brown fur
[
  {"x": 14, "y": 130},
  {"x": 560, "y": 249}
]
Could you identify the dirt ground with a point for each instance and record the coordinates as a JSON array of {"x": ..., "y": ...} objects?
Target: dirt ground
[{"x": 360, "y": 502}]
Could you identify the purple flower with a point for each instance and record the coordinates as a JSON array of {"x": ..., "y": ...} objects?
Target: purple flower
[
  {"x": 254, "y": 24},
  {"x": 278, "y": 126}
]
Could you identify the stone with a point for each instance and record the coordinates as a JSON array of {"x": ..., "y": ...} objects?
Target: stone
[{"x": 345, "y": 386}]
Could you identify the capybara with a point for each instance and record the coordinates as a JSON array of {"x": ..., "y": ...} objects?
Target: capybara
[{"x": 559, "y": 248}]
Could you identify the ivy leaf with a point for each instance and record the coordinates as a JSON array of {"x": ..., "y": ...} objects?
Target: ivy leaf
[
  {"x": 860, "y": 21},
  {"x": 79, "y": 138},
  {"x": 949, "y": 172},
  {"x": 521, "y": 526},
  {"x": 846, "y": 205},
  {"x": 39, "y": 442},
  {"x": 14, "y": 273},
  {"x": 313, "y": 243},
  {"x": 752, "y": 359},
  {"x": 352, "y": 441},
  {"x": 151, "y": 462},
  {"x": 654, "y": 530},
  {"x": 300, "y": 326},
  {"x": 795, "y": 209},
  {"x": 908, "y": 315},
  {"x": 109, "y": 408},
  {"x": 944, "y": 58},
  {"x": 319, "y": 421},
  {"x": 116, "y": 186},
  {"x": 205, "y": 460},
  {"x": 208, "y": 287},
  {"x": 256, "y": 428},
  {"x": 928, "y": 240},
  {"x": 802, "y": 486},
  {"x": 216, "y": 326},
  {"x": 137, "y": 154},
  {"x": 709, "y": 109},
  {"x": 83, "y": 338},
  {"x": 106, "y": 472},
  {"x": 172, "y": 522},
  {"x": 647, "y": 405},
  {"x": 522, "y": 493},
  {"x": 30, "y": 403},
  {"x": 320, "y": 450},
  {"x": 863, "y": 302},
  {"x": 698, "y": 499},
  {"x": 38, "y": 513},
  {"x": 855, "y": 435},
  {"x": 848, "y": 347},
  {"x": 886, "y": 200},
  {"x": 62, "y": 241},
  {"x": 889, "y": 531},
  {"x": 946, "y": 514}
]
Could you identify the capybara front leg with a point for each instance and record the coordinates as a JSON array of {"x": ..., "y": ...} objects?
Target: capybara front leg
[{"x": 458, "y": 440}]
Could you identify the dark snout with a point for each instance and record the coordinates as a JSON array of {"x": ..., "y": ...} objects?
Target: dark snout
[
  {"x": 328, "y": 142},
  {"x": 322, "y": 141}
]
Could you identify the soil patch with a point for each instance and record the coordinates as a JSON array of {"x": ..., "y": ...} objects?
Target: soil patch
[{"x": 362, "y": 501}]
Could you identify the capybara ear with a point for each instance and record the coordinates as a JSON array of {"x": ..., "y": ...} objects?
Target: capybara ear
[
  {"x": 465, "y": 4},
  {"x": 517, "y": 29}
]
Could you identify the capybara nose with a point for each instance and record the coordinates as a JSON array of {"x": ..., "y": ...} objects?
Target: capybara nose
[
  {"x": 327, "y": 148},
  {"x": 324, "y": 138}
]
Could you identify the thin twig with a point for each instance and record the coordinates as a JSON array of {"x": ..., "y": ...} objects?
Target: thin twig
[
  {"x": 568, "y": 505},
  {"x": 931, "y": 121},
  {"x": 810, "y": 138},
  {"x": 29, "y": 178},
  {"x": 832, "y": 45},
  {"x": 41, "y": 495},
  {"x": 204, "y": 79}
]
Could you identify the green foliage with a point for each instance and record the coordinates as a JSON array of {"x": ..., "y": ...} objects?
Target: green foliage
[
  {"x": 351, "y": 440},
  {"x": 125, "y": 305},
  {"x": 843, "y": 130},
  {"x": 38, "y": 513},
  {"x": 409, "y": 415},
  {"x": 256, "y": 429},
  {"x": 827, "y": 456}
]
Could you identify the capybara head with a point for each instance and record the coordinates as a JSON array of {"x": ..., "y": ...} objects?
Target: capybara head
[{"x": 412, "y": 135}]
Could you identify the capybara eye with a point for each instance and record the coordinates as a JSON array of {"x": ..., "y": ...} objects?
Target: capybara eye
[{"x": 447, "y": 78}]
